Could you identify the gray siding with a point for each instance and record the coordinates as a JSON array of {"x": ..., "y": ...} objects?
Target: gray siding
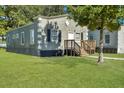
[
  {"x": 113, "y": 38},
  {"x": 14, "y": 40}
]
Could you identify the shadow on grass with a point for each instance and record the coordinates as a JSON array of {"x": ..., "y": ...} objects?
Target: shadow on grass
[{"x": 68, "y": 61}]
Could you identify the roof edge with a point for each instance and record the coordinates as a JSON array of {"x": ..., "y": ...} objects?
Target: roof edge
[{"x": 51, "y": 17}]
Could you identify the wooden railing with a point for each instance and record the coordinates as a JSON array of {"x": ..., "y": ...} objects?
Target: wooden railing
[
  {"x": 89, "y": 45},
  {"x": 68, "y": 44},
  {"x": 77, "y": 48},
  {"x": 72, "y": 45}
]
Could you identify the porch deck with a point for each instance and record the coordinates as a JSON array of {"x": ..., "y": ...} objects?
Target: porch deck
[{"x": 86, "y": 47}]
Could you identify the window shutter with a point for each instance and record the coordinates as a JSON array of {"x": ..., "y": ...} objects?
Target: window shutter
[
  {"x": 82, "y": 36},
  {"x": 48, "y": 35},
  {"x": 59, "y": 36}
]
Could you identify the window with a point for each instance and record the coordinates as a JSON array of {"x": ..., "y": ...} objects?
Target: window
[
  {"x": 107, "y": 39},
  {"x": 54, "y": 35},
  {"x": 77, "y": 36},
  {"x": 22, "y": 38},
  {"x": 31, "y": 36},
  {"x": 17, "y": 35},
  {"x": 91, "y": 37}
]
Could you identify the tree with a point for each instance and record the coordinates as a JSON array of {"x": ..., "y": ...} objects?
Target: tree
[
  {"x": 13, "y": 16},
  {"x": 2, "y": 22},
  {"x": 97, "y": 17},
  {"x": 53, "y": 10}
]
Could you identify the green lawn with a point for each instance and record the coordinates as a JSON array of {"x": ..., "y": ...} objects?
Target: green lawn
[
  {"x": 18, "y": 70},
  {"x": 111, "y": 55}
]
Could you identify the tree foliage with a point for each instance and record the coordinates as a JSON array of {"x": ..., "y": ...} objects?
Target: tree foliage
[
  {"x": 98, "y": 17},
  {"x": 95, "y": 16},
  {"x": 50, "y": 10},
  {"x": 14, "y": 16}
]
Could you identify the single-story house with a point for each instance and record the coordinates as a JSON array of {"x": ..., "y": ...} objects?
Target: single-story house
[
  {"x": 113, "y": 41},
  {"x": 46, "y": 36}
]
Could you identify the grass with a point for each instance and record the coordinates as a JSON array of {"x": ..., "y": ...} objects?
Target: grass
[
  {"x": 111, "y": 55},
  {"x": 18, "y": 70}
]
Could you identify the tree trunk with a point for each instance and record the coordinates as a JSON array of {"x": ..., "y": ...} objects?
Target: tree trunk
[{"x": 100, "y": 58}]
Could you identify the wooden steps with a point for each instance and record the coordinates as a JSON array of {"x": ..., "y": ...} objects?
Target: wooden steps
[{"x": 87, "y": 47}]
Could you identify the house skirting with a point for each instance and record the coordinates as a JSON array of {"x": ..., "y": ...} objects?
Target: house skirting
[
  {"x": 47, "y": 53},
  {"x": 28, "y": 51},
  {"x": 107, "y": 50},
  {"x": 34, "y": 52}
]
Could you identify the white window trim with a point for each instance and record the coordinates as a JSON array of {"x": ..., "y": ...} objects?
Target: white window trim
[
  {"x": 21, "y": 38},
  {"x": 77, "y": 36},
  {"x": 31, "y": 37}
]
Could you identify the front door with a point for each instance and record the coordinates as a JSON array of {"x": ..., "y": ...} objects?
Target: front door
[{"x": 70, "y": 36}]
